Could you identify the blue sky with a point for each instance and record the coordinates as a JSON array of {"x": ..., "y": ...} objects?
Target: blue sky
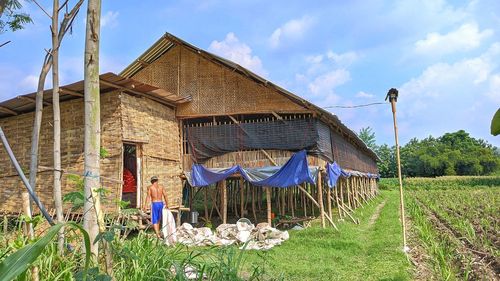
[{"x": 442, "y": 56}]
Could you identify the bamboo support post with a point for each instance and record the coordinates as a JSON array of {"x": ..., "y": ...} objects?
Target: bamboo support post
[
  {"x": 205, "y": 202},
  {"x": 242, "y": 198},
  {"x": 348, "y": 191},
  {"x": 253, "y": 204},
  {"x": 5, "y": 225},
  {"x": 348, "y": 214},
  {"x": 329, "y": 202},
  {"x": 224, "y": 201},
  {"x": 304, "y": 203},
  {"x": 320, "y": 200},
  {"x": 316, "y": 203},
  {"x": 337, "y": 199},
  {"x": 268, "y": 199}
]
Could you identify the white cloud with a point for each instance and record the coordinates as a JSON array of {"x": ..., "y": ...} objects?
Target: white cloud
[
  {"x": 325, "y": 84},
  {"x": 494, "y": 89},
  {"x": 466, "y": 37},
  {"x": 364, "y": 95},
  {"x": 344, "y": 59},
  {"x": 451, "y": 96},
  {"x": 291, "y": 30},
  {"x": 110, "y": 19},
  {"x": 232, "y": 49},
  {"x": 29, "y": 82}
]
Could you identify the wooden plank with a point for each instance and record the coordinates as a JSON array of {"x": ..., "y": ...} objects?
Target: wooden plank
[
  {"x": 32, "y": 100},
  {"x": 8, "y": 110},
  {"x": 70, "y": 92}
]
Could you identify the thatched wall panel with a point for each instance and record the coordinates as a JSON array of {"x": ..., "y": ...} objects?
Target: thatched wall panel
[
  {"x": 18, "y": 130},
  {"x": 211, "y": 85},
  {"x": 154, "y": 125}
]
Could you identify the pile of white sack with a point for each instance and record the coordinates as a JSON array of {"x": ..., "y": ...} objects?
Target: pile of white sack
[{"x": 260, "y": 237}]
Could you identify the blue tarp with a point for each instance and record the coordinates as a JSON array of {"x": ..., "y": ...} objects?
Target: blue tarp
[
  {"x": 334, "y": 171},
  {"x": 294, "y": 172}
]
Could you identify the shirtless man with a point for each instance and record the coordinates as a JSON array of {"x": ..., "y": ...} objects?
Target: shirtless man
[{"x": 158, "y": 199}]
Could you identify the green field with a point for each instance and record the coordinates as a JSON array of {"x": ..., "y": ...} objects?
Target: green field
[
  {"x": 456, "y": 226},
  {"x": 453, "y": 226}
]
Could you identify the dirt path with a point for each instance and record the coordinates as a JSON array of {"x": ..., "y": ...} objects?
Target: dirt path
[{"x": 376, "y": 214}]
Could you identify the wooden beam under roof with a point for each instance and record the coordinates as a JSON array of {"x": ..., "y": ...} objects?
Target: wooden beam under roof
[
  {"x": 123, "y": 88},
  {"x": 30, "y": 99},
  {"x": 70, "y": 92},
  {"x": 8, "y": 110}
]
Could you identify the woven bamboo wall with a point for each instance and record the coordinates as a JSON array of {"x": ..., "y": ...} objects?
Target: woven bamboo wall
[
  {"x": 214, "y": 88},
  {"x": 18, "y": 130},
  {"x": 349, "y": 157},
  {"x": 251, "y": 159},
  {"x": 155, "y": 126}
]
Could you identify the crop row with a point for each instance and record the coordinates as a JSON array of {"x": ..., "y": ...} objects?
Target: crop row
[
  {"x": 442, "y": 183},
  {"x": 473, "y": 214}
]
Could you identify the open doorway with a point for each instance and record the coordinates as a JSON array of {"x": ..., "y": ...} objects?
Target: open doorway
[{"x": 131, "y": 175}]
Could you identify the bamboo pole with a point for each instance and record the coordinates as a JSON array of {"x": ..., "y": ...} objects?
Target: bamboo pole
[
  {"x": 304, "y": 203},
  {"x": 348, "y": 189},
  {"x": 348, "y": 214},
  {"x": 205, "y": 202},
  {"x": 242, "y": 197},
  {"x": 268, "y": 199},
  {"x": 337, "y": 199},
  {"x": 316, "y": 203},
  {"x": 20, "y": 172},
  {"x": 329, "y": 202},
  {"x": 253, "y": 204},
  {"x": 6, "y": 225},
  {"x": 320, "y": 200},
  {"x": 393, "y": 98},
  {"x": 224, "y": 201}
]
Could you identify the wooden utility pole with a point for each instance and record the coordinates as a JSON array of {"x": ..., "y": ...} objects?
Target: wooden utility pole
[{"x": 392, "y": 95}]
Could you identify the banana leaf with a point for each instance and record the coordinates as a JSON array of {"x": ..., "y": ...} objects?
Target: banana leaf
[{"x": 18, "y": 262}]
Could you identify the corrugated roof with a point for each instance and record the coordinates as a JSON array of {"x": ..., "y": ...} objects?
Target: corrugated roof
[
  {"x": 167, "y": 41},
  {"x": 108, "y": 82}
]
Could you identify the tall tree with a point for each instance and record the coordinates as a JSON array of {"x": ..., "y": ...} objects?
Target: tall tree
[
  {"x": 368, "y": 137},
  {"x": 92, "y": 207},
  {"x": 51, "y": 59},
  {"x": 11, "y": 18},
  {"x": 56, "y": 30}
]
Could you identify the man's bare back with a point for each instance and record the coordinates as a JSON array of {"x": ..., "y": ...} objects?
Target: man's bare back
[{"x": 156, "y": 193}]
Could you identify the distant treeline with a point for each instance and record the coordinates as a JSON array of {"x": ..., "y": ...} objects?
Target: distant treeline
[{"x": 451, "y": 154}]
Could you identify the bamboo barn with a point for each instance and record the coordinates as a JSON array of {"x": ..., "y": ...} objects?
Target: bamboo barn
[{"x": 222, "y": 140}]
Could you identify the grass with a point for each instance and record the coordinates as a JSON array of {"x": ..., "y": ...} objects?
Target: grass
[
  {"x": 356, "y": 252},
  {"x": 465, "y": 218}
]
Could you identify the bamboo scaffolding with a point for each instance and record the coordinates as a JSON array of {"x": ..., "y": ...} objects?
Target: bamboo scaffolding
[{"x": 316, "y": 203}]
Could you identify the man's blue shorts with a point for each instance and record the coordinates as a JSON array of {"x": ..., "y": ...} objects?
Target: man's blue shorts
[{"x": 156, "y": 209}]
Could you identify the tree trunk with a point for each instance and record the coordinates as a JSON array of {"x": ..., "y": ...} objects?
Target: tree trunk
[
  {"x": 92, "y": 143},
  {"x": 57, "y": 125}
]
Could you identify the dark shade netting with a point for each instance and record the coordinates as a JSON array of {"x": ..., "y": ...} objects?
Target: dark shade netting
[{"x": 294, "y": 135}]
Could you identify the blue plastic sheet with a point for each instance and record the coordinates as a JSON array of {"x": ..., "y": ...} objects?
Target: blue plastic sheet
[
  {"x": 295, "y": 171},
  {"x": 333, "y": 172}
]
